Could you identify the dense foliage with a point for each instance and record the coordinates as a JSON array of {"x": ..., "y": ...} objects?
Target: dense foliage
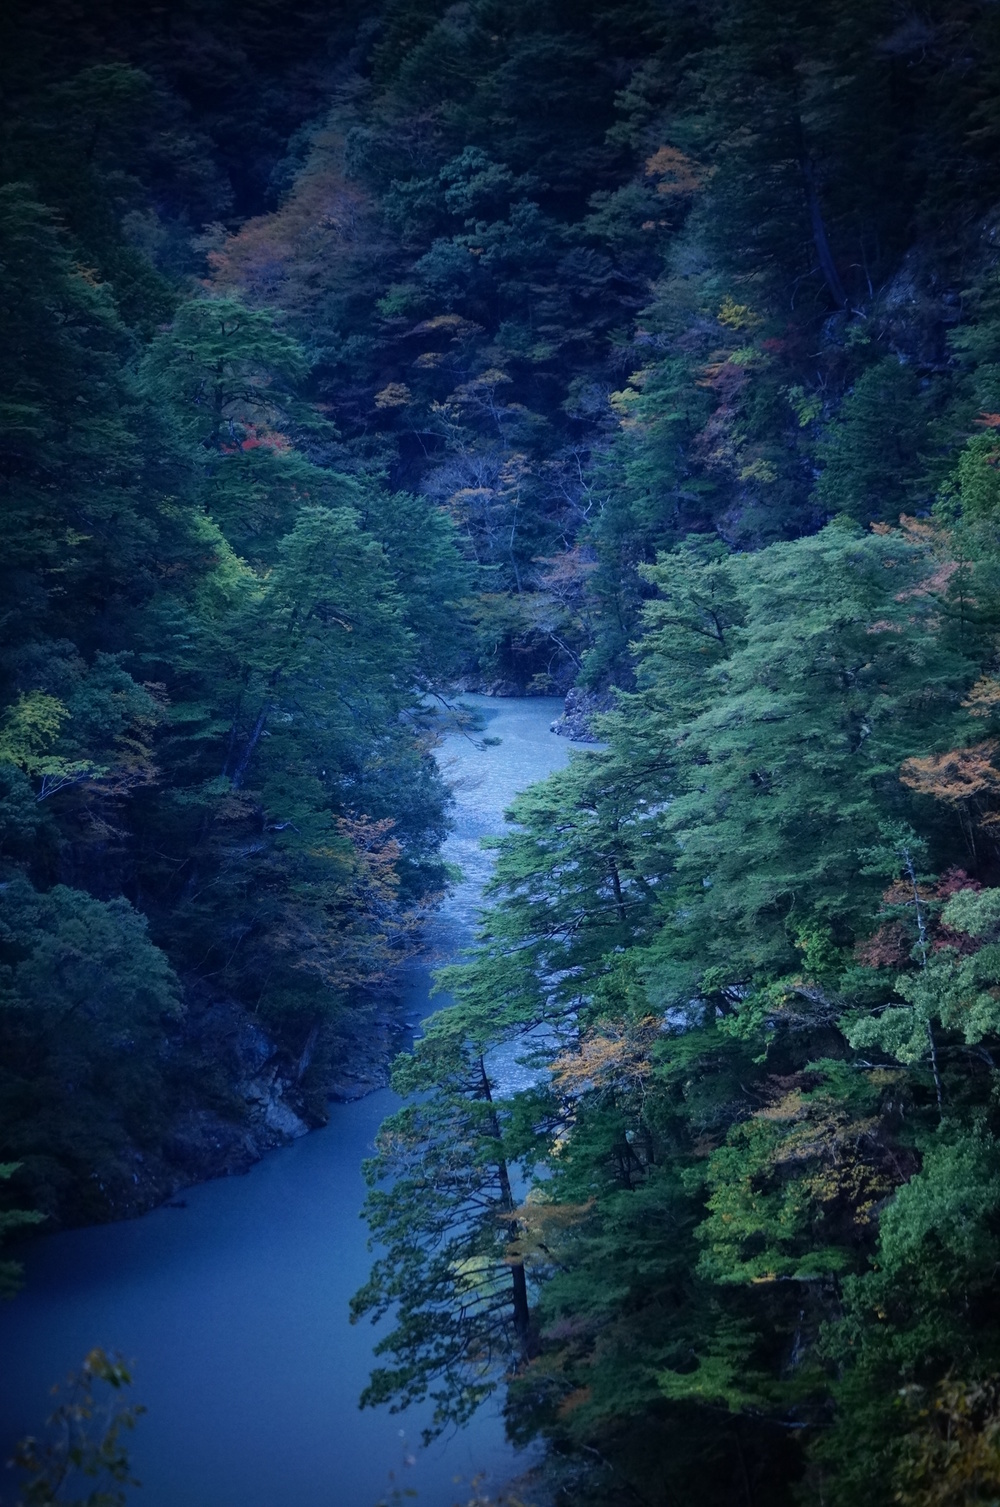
[
  {"x": 646, "y": 347},
  {"x": 738, "y": 1240},
  {"x": 218, "y": 806}
]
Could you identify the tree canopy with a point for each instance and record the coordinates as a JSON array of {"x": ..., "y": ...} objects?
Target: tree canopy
[{"x": 648, "y": 350}]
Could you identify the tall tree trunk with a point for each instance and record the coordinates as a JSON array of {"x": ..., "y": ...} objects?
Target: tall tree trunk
[
  {"x": 306, "y": 1055},
  {"x": 922, "y": 943},
  {"x": 817, "y": 224},
  {"x": 239, "y": 773},
  {"x": 616, "y": 885},
  {"x": 521, "y": 1314}
]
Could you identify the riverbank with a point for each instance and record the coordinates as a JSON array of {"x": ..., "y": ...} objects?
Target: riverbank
[
  {"x": 265, "y": 1105},
  {"x": 250, "y": 1095},
  {"x": 233, "y": 1307}
]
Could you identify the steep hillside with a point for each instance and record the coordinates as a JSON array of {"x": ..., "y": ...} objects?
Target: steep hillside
[{"x": 649, "y": 350}]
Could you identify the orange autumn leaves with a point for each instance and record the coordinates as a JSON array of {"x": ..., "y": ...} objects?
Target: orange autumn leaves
[
  {"x": 966, "y": 777},
  {"x": 963, "y": 774}
]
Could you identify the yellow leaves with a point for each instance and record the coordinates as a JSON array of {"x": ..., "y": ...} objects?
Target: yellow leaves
[
  {"x": 724, "y": 377},
  {"x": 955, "y": 776},
  {"x": 442, "y": 331},
  {"x": 791, "y": 1106},
  {"x": 492, "y": 377},
  {"x": 623, "y": 404},
  {"x": 933, "y": 542},
  {"x": 394, "y": 395},
  {"x": 807, "y": 406},
  {"x": 920, "y": 530},
  {"x": 538, "y": 1214},
  {"x": 566, "y": 573},
  {"x": 738, "y": 316},
  {"x": 349, "y": 926},
  {"x": 376, "y": 856},
  {"x": 826, "y": 1150},
  {"x": 615, "y": 1054},
  {"x": 477, "y": 1277},
  {"x": 540, "y": 1226},
  {"x": 933, "y": 585},
  {"x": 541, "y": 1220},
  {"x": 89, "y": 275},
  {"x": 30, "y": 728},
  {"x": 759, "y": 470},
  {"x": 451, "y": 324},
  {"x": 984, "y": 698},
  {"x": 951, "y": 1457},
  {"x": 480, "y": 396}
]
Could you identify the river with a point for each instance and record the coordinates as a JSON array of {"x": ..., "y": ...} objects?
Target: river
[{"x": 233, "y": 1309}]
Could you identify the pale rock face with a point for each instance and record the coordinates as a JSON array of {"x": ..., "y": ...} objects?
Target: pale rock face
[{"x": 283, "y": 1120}]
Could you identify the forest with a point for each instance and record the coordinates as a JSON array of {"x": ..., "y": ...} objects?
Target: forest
[{"x": 643, "y": 352}]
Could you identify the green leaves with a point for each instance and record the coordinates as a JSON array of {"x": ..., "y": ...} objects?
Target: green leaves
[
  {"x": 443, "y": 1228},
  {"x": 208, "y": 699},
  {"x": 950, "y": 1202},
  {"x": 955, "y": 989},
  {"x": 30, "y": 728},
  {"x": 739, "y": 1115},
  {"x": 13, "y": 1219},
  {"x": 871, "y": 453},
  {"x": 85, "y": 1002},
  {"x": 224, "y": 367},
  {"x": 794, "y": 733}
]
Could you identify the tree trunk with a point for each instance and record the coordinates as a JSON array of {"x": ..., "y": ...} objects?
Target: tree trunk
[
  {"x": 816, "y": 222},
  {"x": 239, "y": 773},
  {"x": 306, "y": 1055},
  {"x": 520, "y": 1312},
  {"x": 616, "y": 885}
]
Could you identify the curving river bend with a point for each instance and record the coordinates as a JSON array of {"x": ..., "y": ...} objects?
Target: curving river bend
[{"x": 233, "y": 1309}]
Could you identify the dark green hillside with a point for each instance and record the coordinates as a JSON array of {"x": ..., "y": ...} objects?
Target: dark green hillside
[{"x": 647, "y": 350}]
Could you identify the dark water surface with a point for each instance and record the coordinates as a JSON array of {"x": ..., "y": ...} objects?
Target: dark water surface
[{"x": 233, "y": 1310}]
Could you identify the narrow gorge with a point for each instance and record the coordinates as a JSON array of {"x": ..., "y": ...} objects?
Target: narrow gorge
[{"x": 231, "y": 1302}]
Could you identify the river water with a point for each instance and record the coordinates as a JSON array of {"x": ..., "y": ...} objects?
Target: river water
[{"x": 233, "y": 1309}]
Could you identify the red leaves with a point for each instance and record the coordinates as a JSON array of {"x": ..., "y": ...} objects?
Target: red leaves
[
  {"x": 256, "y": 438},
  {"x": 892, "y": 945},
  {"x": 888, "y": 948}
]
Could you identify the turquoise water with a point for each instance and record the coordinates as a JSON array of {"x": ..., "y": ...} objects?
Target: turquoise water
[{"x": 233, "y": 1310}]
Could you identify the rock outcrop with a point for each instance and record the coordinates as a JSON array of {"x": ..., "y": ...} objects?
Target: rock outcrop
[{"x": 581, "y": 707}]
